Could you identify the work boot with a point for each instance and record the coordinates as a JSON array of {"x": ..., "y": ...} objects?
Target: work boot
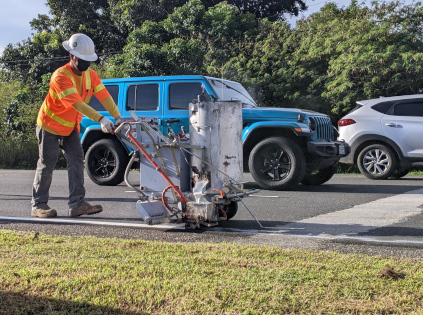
[
  {"x": 85, "y": 208},
  {"x": 43, "y": 212}
]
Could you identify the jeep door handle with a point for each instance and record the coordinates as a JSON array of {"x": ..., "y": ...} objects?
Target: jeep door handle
[
  {"x": 172, "y": 120},
  {"x": 393, "y": 125}
]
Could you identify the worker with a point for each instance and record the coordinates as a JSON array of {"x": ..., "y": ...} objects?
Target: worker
[{"x": 71, "y": 88}]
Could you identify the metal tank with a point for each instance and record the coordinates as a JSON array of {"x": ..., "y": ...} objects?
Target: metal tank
[{"x": 217, "y": 127}]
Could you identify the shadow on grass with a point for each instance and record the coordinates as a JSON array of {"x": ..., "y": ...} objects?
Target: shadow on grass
[{"x": 12, "y": 303}]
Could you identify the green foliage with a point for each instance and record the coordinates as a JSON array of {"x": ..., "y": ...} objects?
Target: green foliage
[
  {"x": 360, "y": 53},
  {"x": 271, "y": 9},
  {"x": 263, "y": 64},
  {"x": 20, "y": 117},
  {"x": 16, "y": 154},
  {"x": 190, "y": 41},
  {"x": 29, "y": 60},
  {"x": 334, "y": 58}
]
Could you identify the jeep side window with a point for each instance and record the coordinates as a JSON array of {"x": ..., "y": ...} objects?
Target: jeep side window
[
  {"x": 142, "y": 97},
  {"x": 114, "y": 92},
  {"x": 409, "y": 109},
  {"x": 181, "y": 94}
]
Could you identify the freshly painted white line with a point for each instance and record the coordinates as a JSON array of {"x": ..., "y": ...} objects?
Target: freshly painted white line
[
  {"x": 259, "y": 196},
  {"x": 92, "y": 222}
]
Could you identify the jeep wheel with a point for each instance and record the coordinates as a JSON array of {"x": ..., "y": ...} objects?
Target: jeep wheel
[
  {"x": 105, "y": 162},
  {"x": 277, "y": 163},
  {"x": 377, "y": 161},
  {"x": 319, "y": 177}
]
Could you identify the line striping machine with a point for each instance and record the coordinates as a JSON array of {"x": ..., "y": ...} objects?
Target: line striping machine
[{"x": 194, "y": 178}]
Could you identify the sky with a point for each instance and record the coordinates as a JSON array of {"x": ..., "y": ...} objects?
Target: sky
[{"x": 15, "y": 16}]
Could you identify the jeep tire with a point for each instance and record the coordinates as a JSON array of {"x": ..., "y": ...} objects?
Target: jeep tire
[
  {"x": 106, "y": 161},
  {"x": 377, "y": 161},
  {"x": 319, "y": 177},
  {"x": 277, "y": 163}
]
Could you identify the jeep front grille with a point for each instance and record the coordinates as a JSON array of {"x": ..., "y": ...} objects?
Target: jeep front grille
[{"x": 324, "y": 128}]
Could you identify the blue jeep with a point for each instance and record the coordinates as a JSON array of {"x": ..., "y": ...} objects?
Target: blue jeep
[{"x": 282, "y": 146}]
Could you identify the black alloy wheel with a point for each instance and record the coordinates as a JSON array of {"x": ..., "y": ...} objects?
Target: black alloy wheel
[
  {"x": 277, "y": 163},
  {"x": 106, "y": 161}
]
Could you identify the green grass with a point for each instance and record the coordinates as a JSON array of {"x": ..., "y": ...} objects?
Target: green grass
[{"x": 89, "y": 275}]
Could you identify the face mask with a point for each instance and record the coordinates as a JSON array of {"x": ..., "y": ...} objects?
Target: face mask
[{"x": 83, "y": 65}]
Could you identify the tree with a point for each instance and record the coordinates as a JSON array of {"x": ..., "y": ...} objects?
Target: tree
[
  {"x": 190, "y": 41},
  {"x": 335, "y": 57},
  {"x": 272, "y": 9},
  {"x": 43, "y": 53},
  {"x": 371, "y": 52}
]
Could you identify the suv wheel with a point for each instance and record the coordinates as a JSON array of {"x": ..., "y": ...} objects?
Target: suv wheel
[
  {"x": 401, "y": 172},
  {"x": 377, "y": 161},
  {"x": 277, "y": 163},
  {"x": 106, "y": 162},
  {"x": 319, "y": 177}
]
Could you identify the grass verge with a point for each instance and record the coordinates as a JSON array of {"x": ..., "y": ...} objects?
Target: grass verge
[{"x": 43, "y": 274}]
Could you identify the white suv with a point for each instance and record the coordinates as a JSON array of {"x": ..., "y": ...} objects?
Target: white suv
[{"x": 385, "y": 135}]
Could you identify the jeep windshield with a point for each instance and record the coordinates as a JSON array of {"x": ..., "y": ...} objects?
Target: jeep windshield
[{"x": 231, "y": 91}]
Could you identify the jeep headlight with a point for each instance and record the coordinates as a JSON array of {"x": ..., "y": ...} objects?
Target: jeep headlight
[{"x": 311, "y": 123}]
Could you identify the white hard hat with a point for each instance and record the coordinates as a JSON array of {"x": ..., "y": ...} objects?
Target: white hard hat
[{"x": 81, "y": 46}]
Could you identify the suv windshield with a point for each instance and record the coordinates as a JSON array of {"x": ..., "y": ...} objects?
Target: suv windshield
[{"x": 230, "y": 91}]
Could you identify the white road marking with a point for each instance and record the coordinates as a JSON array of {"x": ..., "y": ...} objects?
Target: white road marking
[
  {"x": 361, "y": 218},
  {"x": 260, "y": 196},
  {"x": 340, "y": 225},
  {"x": 93, "y": 222}
]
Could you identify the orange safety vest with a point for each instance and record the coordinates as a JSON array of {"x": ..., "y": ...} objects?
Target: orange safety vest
[{"x": 57, "y": 114}]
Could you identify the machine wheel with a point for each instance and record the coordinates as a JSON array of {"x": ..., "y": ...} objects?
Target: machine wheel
[
  {"x": 401, "y": 172},
  {"x": 105, "y": 162},
  {"x": 277, "y": 163},
  {"x": 231, "y": 209},
  {"x": 377, "y": 161},
  {"x": 320, "y": 177}
]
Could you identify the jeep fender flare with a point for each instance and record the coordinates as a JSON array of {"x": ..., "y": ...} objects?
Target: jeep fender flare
[
  {"x": 94, "y": 133},
  {"x": 293, "y": 127}
]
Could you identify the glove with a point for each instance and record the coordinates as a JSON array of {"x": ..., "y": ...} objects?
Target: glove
[
  {"x": 106, "y": 125},
  {"x": 119, "y": 120}
]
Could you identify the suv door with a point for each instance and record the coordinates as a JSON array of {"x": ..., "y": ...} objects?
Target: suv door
[{"x": 404, "y": 125}]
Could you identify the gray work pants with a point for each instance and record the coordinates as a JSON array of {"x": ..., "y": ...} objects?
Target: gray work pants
[{"x": 49, "y": 146}]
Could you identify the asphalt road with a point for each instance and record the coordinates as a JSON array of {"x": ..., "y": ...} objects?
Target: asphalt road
[{"x": 348, "y": 214}]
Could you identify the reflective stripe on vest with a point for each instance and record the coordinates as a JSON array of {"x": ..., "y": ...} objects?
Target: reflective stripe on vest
[
  {"x": 99, "y": 88},
  {"x": 57, "y": 118},
  {"x": 88, "y": 85},
  {"x": 62, "y": 94}
]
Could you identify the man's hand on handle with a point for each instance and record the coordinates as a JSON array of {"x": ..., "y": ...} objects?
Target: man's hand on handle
[{"x": 106, "y": 125}]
